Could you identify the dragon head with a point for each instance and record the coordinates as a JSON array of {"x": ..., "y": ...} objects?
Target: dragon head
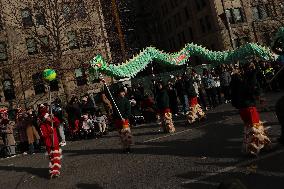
[
  {"x": 278, "y": 43},
  {"x": 98, "y": 62}
]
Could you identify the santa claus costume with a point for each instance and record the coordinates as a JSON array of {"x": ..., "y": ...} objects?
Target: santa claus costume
[
  {"x": 164, "y": 110},
  {"x": 195, "y": 112},
  {"x": 245, "y": 92},
  {"x": 50, "y": 137}
]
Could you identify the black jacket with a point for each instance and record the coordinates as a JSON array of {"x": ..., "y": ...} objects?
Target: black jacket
[
  {"x": 124, "y": 107},
  {"x": 162, "y": 99},
  {"x": 245, "y": 90},
  {"x": 189, "y": 87}
]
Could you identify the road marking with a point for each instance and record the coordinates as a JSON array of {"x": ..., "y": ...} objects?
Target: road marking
[
  {"x": 166, "y": 136},
  {"x": 230, "y": 168},
  {"x": 184, "y": 131},
  {"x": 153, "y": 124},
  {"x": 209, "y": 183}
]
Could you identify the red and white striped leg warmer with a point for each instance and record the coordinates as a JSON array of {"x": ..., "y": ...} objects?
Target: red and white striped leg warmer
[{"x": 55, "y": 157}]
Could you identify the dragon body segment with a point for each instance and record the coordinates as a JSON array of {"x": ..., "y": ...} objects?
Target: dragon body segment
[{"x": 139, "y": 62}]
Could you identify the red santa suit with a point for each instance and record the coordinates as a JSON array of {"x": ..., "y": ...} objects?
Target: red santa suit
[{"x": 51, "y": 141}]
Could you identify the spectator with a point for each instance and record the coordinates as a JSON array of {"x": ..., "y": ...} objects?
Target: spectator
[
  {"x": 32, "y": 134},
  {"x": 197, "y": 82},
  {"x": 6, "y": 129},
  {"x": 179, "y": 86},
  {"x": 101, "y": 121},
  {"x": 209, "y": 86},
  {"x": 173, "y": 98},
  {"x": 225, "y": 80},
  {"x": 148, "y": 108},
  {"x": 217, "y": 86},
  {"x": 87, "y": 105},
  {"x": 74, "y": 115},
  {"x": 59, "y": 113},
  {"x": 21, "y": 127}
]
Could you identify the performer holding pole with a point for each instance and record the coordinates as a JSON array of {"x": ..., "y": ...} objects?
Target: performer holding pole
[
  {"x": 121, "y": 113},
  {"x": 49, "y": 133},
  {"x": 245, "y": 92}
]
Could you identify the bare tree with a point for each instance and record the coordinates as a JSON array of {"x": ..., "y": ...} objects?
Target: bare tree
[{"x": 47, "y": 23}]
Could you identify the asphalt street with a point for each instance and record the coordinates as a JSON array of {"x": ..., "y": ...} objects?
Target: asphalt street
[{"x": 198, "y": 156}]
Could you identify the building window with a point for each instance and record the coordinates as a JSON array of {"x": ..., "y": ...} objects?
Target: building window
[
  {"x": 8, "y": 87},
  {"x": 256, "y": 13},
  {"x": 27, "y": 18},
  {"x": 1, "y": 23},
  {"x": 38, "y": 83},
  {"x": 67, "y": 11},
  {"x": 80, "y": 77},
  {"x": 235, "y": 15},
  {"x": 54, "y": 85},
  {"x": 229, "y": 16},
  {"x": 81, "y": 10},
  {"x": 31, "y": 46},
  {"x": 3, "y": 51},
  {"x": 208, "y": 23},
  {"x": 73, "y": 40},
  {"x": 238, "y": 16},
  {"x": 40, "y": 18},
  {"x": 86, "y": 38},
  {"x": 261, "y": 12}
]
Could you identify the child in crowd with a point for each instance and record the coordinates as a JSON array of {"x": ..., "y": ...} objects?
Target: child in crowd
[
  {"x": 101, "y": 121},
  {"x": 6, "y": 130},
  {"x": 87, "y": 126}
]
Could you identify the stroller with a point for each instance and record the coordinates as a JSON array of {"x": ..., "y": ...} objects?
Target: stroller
[{"x": 87, "y": 129}]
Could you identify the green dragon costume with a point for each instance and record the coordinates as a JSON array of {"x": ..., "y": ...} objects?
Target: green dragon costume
[{"x": 138, "y": 63}]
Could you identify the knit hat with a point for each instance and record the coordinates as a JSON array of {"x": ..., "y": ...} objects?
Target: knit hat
[{"x": 121, "y": 89}]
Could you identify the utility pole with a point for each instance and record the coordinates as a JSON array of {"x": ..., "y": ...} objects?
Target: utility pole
[{"x": 118, "y": 26}]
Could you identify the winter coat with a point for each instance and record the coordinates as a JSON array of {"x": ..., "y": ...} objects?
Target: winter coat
[
  {"x": 189, "y": 87},
  {"x": 225, "y": 79},
  {"x": 22, "y": 130},
  {"x": 162, "y": 100},
  {"x": 31, "y": 131},
  {"x": 245, "y": 91},
  {"x": 8, "y": 133},
  {"x": 208, "y": 81},
  {"x": 74, "y": 111},
  {"x": 89, "y": 107},
  {"x": 180, "y": 87},
  {"x": 47, "y": 131},
  {"x": 58, "y": 112},
  {"x": 124, "y": 107}
]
